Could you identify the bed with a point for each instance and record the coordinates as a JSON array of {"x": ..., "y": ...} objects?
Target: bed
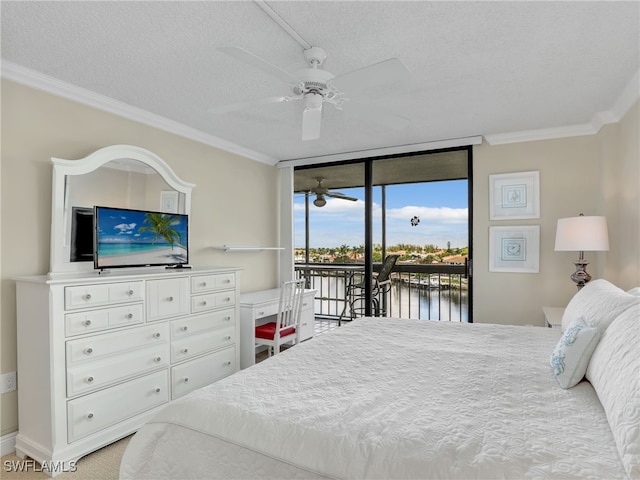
[{"x": 390, "y": 398}]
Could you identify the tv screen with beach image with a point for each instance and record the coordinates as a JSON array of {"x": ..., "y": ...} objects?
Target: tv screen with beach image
[{"x": 134, "y": 238}]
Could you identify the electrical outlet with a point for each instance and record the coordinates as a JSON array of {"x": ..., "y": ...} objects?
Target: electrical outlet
[{"x": 8, "y": 382}]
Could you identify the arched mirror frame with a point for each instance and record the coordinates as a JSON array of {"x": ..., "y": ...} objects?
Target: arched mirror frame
[{"x": 63, "y": 169}]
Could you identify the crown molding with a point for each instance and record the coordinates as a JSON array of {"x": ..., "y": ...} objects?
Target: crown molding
[
  {"x": 39, "y": 81},
  {"x": 629, "y": 96},
  {"x": 31, "y": 78}
]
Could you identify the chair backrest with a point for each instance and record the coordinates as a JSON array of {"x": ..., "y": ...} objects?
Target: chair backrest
[
  {"x": 387, "y": 267},
  {"x": 290, "y": 304}
]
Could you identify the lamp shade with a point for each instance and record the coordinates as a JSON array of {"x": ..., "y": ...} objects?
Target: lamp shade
[{"x": 582, "y": 234}]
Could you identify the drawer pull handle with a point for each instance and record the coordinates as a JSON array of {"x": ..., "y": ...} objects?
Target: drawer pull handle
[
  {"x": 157, "y": 390},
  {"x": 156, "y": 335},
  {"x": 90, "y": 416},
  {"x": 87, "y": 296},
  {"x": 185, "y": 350},
  {"x": 89, "y": 351},
  {"x": 203, "y": 284},
  {"x": 304, "y": 304},
  {"x": 186, "y": 380},
  {"x": 228, "y": 280},
  {"x": 226, "y": 319},
  {"x": 204, "y": 302},
  {"x": 228, "y": 299},
  {"x": 184, "y": 329},
  {"x": 90, "y": 379},
  {"x": 86, "y": 323},
  {"x": 260, "y": 313},
  {"x": 130, "y": 316},
  {"x": 170, "y": 299},
  {"x": 227, "y": 337},
  {"x": 130, "y": 293},
  {"x": 157, "y": 359},
  {"x": 228, "y": 364}
]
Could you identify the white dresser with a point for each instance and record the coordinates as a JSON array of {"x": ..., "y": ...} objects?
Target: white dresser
[{"x": 98, "y": 355}]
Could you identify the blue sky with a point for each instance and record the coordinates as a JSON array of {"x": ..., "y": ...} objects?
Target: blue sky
[{"x": 440, "y": 206}]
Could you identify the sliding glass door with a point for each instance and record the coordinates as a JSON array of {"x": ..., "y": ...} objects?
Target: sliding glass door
[{"x": 352, "y": 215}]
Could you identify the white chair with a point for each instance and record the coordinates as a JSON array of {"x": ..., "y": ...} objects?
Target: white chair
[{"x": 285, "y": 328}]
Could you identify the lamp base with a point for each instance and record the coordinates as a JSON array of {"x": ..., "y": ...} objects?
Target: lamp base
[{"x": 580, "y": 276}]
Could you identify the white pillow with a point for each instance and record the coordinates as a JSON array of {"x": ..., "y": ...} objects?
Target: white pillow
[
  {"x": 634, "y": 291},
  {"x": 599, "y": 303},
  {"x": 614, "y": 372},
  {"x": 571, "y": 356}
]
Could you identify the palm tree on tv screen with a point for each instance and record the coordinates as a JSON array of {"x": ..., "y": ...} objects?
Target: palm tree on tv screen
[{"x": 161, "y": 226}]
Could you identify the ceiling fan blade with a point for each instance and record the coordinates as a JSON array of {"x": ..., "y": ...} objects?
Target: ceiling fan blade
[
  {"x": 387, "y": 71},
  {"x": 255, "y": 61},
  {"x": 342, "y": 196},
  {"x": 311, "y": 122},
  {"x": 377, "y": 115},
  {"x": 246, "y": 105}
]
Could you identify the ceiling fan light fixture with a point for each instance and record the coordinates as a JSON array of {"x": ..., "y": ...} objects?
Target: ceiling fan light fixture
[
  {"x": 313, "y": 101},
  {"x": 320, "y": 201}
]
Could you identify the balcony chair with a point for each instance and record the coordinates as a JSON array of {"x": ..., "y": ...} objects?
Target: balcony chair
[
  {"x": 285, "y": 329},
  {"x": 381, "y": 286}
]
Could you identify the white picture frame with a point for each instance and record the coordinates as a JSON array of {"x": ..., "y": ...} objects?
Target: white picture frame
[
  {"x": 169, "y": 201},
  {"x": 514, "y": 249},
  {"x": 514, "y": 196}
]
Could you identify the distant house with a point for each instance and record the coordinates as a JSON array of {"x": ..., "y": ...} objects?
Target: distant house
[{"x": 455, "y": 260}]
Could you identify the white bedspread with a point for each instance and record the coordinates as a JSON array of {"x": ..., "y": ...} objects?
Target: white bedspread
[{"x": 388, "y": 399}]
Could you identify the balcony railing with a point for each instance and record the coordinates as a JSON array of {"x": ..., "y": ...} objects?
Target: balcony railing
[{"x": 428, "y": 292}]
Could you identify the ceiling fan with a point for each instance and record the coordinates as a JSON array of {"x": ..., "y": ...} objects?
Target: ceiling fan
[
  {"x": 316, "y": 87},
  {"x": 322, "y": 192}
]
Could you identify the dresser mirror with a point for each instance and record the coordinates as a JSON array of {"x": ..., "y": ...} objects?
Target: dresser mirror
[{"x": 120, "y": 176}]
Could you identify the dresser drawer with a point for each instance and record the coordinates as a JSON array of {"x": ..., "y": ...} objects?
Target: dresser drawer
[
  {"x": 202, "y": 371},
  {"x": 188, "y": 326},
  {"x": 194, "y": 345},
  {"x": 98, "y": 374},
  {"x": 207, "y": 283},
  {"x": 95, "y": 320},
  {"x": 167, "y": 298},
  {"x": 83, "y": 296},
  {"x": 201, "y": 303},
  {"x": 100, "y": 346},
  {"x": 99, "y": 410}
]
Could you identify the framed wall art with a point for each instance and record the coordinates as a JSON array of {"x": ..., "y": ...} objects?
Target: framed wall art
[
  {"x": 514, "y": 196},
  {"x": 169, "y": 201},
  {"x": 514, "y": 249}
]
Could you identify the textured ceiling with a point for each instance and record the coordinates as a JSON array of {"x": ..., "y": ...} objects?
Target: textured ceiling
[{"x": 477, "y": 68}]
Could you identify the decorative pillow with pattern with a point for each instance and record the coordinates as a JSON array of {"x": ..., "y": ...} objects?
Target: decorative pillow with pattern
[
  {"x": 599, "y": 302},
  {"x": 571, "y": 356}
]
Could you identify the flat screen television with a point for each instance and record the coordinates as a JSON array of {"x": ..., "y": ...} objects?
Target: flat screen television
[{"x": 139, "y": 238}]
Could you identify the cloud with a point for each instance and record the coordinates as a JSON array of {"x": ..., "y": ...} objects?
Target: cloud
[
  {"x": 434, "y": 214},
  {"x": 125, "y": 228}
]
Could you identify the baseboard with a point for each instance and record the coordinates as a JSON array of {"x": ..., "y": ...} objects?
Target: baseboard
[{"x": 8, "y": 443}]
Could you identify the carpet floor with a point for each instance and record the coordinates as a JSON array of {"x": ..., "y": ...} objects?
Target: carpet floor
[{"x": 103, "y": 464}]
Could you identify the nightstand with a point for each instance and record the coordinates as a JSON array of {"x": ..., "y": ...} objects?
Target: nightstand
[{"x": 553, "y": 316}]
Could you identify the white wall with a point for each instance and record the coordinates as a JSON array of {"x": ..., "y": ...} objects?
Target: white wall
[{"x": 595, "y": 175}]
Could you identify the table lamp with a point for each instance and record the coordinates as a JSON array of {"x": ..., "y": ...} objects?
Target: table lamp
[{"x": 582, "y": 234}]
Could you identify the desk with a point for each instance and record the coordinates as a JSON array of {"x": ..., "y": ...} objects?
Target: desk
[{"x": 260, "y": 307}]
